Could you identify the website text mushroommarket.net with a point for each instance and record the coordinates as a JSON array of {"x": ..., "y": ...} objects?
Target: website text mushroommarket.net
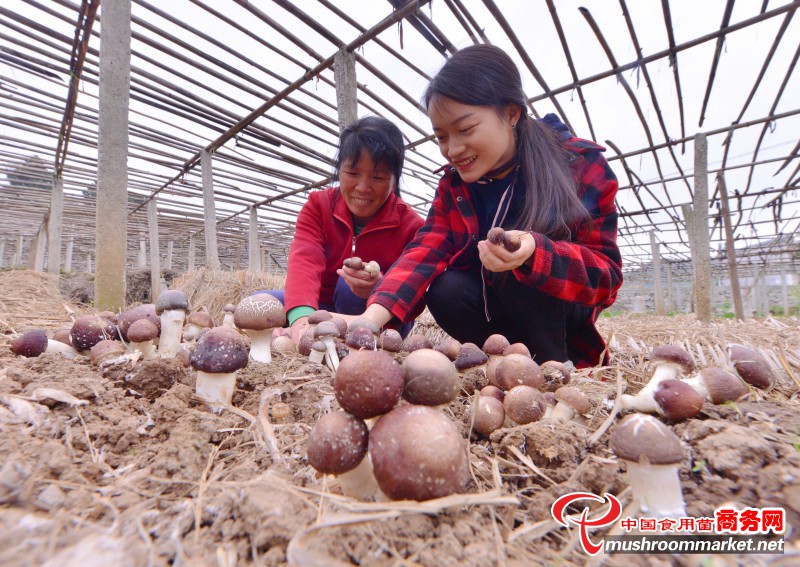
[{"x": 729, "y": 544}]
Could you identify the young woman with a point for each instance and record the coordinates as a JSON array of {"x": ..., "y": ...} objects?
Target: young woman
[
  {"x": 364, "y": 216},
  {"x": 552, "y": 191}
]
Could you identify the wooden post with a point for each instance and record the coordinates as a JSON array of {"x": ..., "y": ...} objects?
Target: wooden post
[
  {"x": 190, "y": 259},
  {"x": 765, "y": 302},
  {"x": 155, "y": 259},
  {"x": 112, "y": 158},
  {"x": 238, "y": 264},
  {"x": 168, "y": 261},
  {"x": 670, "y": 303},
  {"x": 142, "y": 250},
  {"x": 2, "y": 251},
  {"x": 269, "y": 261},
  {"x": 784, "y": 287},
  {"x": 36, "y": 260},
  {"x": 54, "y": 227},
  {"x": 18, "y": 256},
  {"x": 70, "y": 248},
  {"x": 89, "y": 263},
  {"x": 344, "y": 72},
  {"x": 701, "y": 252},
  {"x": 253, "y": 249},
  {"x": 209, "y": 211},
  {"x": 730, "y": 251},
  {"x": 657, "y": 292}
]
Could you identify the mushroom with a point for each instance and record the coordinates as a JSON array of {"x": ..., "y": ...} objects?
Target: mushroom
[
  {"x": 418, "y": 454},
  {"x": 368, "y": 383},
  {"x": 171, "y": 306},
  {"x": 257, "y": 316},
  {"x": 448, "y": 347},
  {"x": 391, "y": 341},
  {"x": 510, "y": 242},
  {"x": 105, "y": 351},
  {"x": 89, "y": 330},
  {"x": 516, "y": 369},
  {"x": 430, "y": 378},
  {"x": 670, "y": 361},
  {"x": 327, "y": 332},
  {"x": 195, "y": 322},
  {"x": 338, "y": 445},
  {"x": 33, "y": 343},
  {"x": 493, "y": 392},
  {"x": 318, "y": 316},
  {"x": 677, "y": 400},
  {"x": 470, "y": 356},
  {"x": 281, "y": 412},
  {"x": 361, "y": 339},
  {"x": 218, "y": 355},
  {"x": 227, "y": 317},
  {"x": 354, "y": 263},
  {"x": 373, "y": 268},
  {"x": 517, "y": 348},
  {"x": 305, "y": 342},
  {"x": 652, "y": 453},
  {"x": 341, "y": 327},
  {"x": 129, "y": 316},
  {"x": 555, "y": 374},
  {"x": 524, "y": 404},
  {"x": 718, "y": 386},
  {"x": 141, "y": 335},
  {"x": 488, "y": 414},
  {"x": 283, "y": 344},
  {"x": 569, "y": 402},
  {"x": 552, "y": 402},
  {"x": 751, "y": 366},
  {"x": 416, "y": 341},
  {"x": 317, "y": 354},
  {"x": 495, "y": 345}
]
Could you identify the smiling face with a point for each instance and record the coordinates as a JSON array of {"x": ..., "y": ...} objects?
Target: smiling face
[
  {"x": 474, "y": 139},
  {"x": 365, "y": 187}
]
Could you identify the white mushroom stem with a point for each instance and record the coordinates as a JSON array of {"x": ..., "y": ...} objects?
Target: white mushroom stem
[
  {"x": 215, "y": 388},
  {"x": 62, "y": 348},
  {"x": 146, "y": 348},
  {"x": 657, "y": 488},
  {"x": 360, "y": 482},
  {"x": 699, "y": 386},
  {"x": 561, "y": 410},
  {"x": 644, "y": 401},
  {"x": 260, "y": 345},
  {"x": 331, "y": 358},
  {"x": 227, "y": 319},
  {"x": 316, "y": 356},
  {"x": 171, "y": 332}
]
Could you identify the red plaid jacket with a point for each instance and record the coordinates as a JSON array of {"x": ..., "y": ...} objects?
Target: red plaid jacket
[{"x": 588, "y": 272}]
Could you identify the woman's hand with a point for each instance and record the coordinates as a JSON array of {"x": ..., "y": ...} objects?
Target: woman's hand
[
  {"x": 298, "y": 329},
  {"x": 360, "y": 281},
  {"x": 496, "y": 258}
]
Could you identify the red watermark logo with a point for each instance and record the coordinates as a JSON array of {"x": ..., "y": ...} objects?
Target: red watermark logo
[{"x": 584, "y": 523}]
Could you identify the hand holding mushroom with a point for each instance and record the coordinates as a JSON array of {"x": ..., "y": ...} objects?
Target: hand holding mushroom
[
  {"x": 362, "y": 278},
  {"x": 497, "y": 258}
]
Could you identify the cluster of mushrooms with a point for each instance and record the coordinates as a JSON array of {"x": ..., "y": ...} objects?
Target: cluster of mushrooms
[{"x": 391, "y": 439}]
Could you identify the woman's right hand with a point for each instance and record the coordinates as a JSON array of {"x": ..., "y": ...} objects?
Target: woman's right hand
[
  {"x": 360, "y": 281},
  {"x": 298, "y": 329}
]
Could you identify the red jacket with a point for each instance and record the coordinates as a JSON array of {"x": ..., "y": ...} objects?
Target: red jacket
[
  {"x": 324, "y": 239},
  {"x": 588, "y": 272}
]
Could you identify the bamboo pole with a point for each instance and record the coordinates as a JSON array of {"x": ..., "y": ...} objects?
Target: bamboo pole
[{"x": 155, "y": 259}]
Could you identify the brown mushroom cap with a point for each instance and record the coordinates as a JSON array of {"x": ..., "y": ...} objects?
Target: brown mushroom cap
[
  {"x": 259, "y": 312},
  {"x": 62, "y": 334},
  {"x": 391, "y": 340},
  {"x": 89, "y": 330},
  {"x": 491, "y": 370},
  {"x": 641, "y": 438},
  {"x": 127, "y": 317},
  {"x": 104, "y": 350},
  {"x": 341, "y": 326},
  {"x": 229, "y": 308},
  {"x": 326, "y": 329},
  {"x": 524, "y": 404},
  {"x": 516, "y": 369},
  {"x": 517, "y": 348},
  {"x": 495, "y": 344},
  {"x": 723, "y": 386},
  {"x": 172, "y": 299},
  {"x": 31, "y": 344},
  {"x": 418, "y": 454},
  {"x": 319, "y": 316},
  {"x": 751, "y": 366},
  {"x": 469, "y": 356},
  {"x": 493, "y": 392},
  {"x": 448, "y": 347},
  {"x": 201, "y": 319},
  {"x": 672, "y": 354},
  {"x": 361, "y": 338},
  {"x": 677, "y": 400},
  {"x": 496, "y": 235},
  {"x": 338, "y": 443},
  {"x": 430, "y": 378},
  {"x": 488, "y": 414},
  {"x": 220, "y": 350},
  {"x": 575, "y": 398},
  {"x": 305, "y": 342},
  {"x": 142, "y": 330},
  {"x": 555, "y": 374},
  {"x": 416, "y": 341},
  {"x": 354, "y": 263},
  {"x": 363, "y": 323},
  {"x": 368, "y": 383},
  {"x": 283, "y": 344}
]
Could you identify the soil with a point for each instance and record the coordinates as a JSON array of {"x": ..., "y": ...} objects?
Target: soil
[{"x": 125, "y": 466}]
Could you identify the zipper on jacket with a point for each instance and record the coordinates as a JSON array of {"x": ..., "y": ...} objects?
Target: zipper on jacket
[{"x": 354, "y": 245}]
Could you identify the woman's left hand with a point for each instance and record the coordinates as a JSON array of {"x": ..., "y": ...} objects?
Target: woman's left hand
[
  {"x": 496, "y": 258},
  {"x": 360, "y": 281}
]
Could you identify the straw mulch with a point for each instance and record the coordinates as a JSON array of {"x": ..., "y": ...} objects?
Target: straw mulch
[{"x": 30, "y": 299}]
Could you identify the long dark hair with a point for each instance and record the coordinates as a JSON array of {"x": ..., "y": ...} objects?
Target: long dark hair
[
  {"x": 484, "y": 75},
  {"x": 380, "y": 138}
]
